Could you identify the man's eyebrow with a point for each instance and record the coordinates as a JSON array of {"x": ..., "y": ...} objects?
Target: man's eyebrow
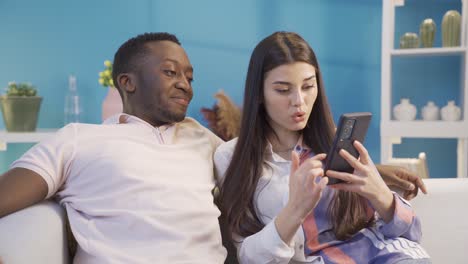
[
  {"x": 190, "y": 68},
  {"x": 288, "y": 83}
]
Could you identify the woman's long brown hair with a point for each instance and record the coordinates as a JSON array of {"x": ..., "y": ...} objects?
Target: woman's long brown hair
[{"x": 236, "y": 198}]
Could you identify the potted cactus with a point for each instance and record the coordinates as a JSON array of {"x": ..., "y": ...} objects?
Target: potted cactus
[{"x": 20, "y": 107}]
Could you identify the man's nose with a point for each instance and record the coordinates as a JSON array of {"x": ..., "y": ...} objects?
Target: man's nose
[{"x": 183, "y": 84}]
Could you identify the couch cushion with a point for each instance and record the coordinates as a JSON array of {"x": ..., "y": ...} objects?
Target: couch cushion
[
  {"x": 34, "y": 235},
  {"x": 444, "y": 219}
]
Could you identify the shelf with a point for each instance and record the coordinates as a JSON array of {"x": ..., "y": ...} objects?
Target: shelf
[
  {"x": 425, "y": 129},
  {"x": 401, "y": 3},
  {"x": 429, "y": 51},
  {"x": 24, "y": 137}
]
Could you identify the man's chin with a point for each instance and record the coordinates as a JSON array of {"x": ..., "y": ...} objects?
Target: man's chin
[
  {"x": 179, "y": 118},
  {"x": 174, "y": 118},
  {"x": 163, "y": 116}
]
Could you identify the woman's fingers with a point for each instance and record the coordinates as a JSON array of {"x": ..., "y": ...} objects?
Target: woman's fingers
[
  {"x": 323, "y": 182},
  {"x": 344, "y": 187},
  {"x": 355, "y": 163},
  {"x": 310, "y": 178},
  {"x": 346, "y": 177},
  {"x": 310, "y": 164},
  {"x": 320, "y": 157},
  {"x": 363, "y": 154},
  {"x": 309, "y": 170},
  {"x": 294, "y": 162}
]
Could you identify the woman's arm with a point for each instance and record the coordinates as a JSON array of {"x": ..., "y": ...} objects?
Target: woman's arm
[
  {"x": 305, "y": 191},
  {"x": 274, "y": 243},
  {"x": 404, "y": 222},
  {"x": 265, "y": 246},
  {"x": 397, "y": 214}
]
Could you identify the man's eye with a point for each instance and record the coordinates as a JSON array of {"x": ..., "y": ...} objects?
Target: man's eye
[
  {"x": 170, "y": 73},
  {"x": 190, "y": 80}
]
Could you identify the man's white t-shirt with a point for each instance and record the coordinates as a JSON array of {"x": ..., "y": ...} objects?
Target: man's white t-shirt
[{"x": 134, "y": 193}]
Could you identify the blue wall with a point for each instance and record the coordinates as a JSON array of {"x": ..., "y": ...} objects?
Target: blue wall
[{"x": 43, "y": 42}]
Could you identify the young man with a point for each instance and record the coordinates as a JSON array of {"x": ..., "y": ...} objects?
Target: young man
[{"x": 137, "y": 189}]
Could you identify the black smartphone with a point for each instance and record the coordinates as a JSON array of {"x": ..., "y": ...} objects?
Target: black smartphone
[{"x": 351, "y": 127}]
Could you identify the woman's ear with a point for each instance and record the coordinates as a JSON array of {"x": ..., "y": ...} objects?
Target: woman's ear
[{"x": 127, "y": 82}]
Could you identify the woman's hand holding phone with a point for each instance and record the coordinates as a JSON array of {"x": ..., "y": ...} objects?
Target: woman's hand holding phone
[{"x": 365, "y": 181}]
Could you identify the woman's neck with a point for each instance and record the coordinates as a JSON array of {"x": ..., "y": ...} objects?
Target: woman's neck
[{"x": 284, "y": 141}]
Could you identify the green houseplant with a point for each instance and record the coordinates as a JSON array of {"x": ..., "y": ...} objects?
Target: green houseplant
[
  {"x": 20, "y": 107},
  {"x": 105, "y": 77}
]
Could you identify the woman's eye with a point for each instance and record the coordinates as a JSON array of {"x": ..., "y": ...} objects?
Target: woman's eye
[
  {"x": 282, "y": 91},
  {"x": 308, "y": 87}
]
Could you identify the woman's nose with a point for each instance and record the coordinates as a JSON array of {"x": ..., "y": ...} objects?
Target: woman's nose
[{"x": 297, "y": 98}]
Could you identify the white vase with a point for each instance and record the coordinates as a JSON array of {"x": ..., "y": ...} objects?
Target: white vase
[
  {"x": 450, "y": 112},
  {"x": 404, "y": 111},
  {"x": 112, "y": 103},
  {"x": 430, "y": 112}
]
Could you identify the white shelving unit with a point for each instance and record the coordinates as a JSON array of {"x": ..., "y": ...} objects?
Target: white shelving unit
[
  {"x": 392, "y": 131},
  {"x": 24, "y": 137}
]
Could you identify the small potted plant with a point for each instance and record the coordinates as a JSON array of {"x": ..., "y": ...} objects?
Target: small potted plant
[{"x": 20, "y": 107}]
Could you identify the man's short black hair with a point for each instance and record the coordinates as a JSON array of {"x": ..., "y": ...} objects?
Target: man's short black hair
[{"x": 128, "y": 55}]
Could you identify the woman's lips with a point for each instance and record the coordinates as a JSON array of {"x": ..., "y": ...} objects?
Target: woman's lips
[{"x": 298, "y": 117}]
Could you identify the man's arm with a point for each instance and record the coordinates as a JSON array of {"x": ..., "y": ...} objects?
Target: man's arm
[
  {"x": 20, "y": 188},
  {"x": 402, "y": 179}
]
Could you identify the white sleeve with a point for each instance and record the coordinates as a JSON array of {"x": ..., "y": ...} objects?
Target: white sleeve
[
  {"x": 265, "y": 246},
  {"x": 222, "y": 159},
  {"x": 51, "y": 157}
]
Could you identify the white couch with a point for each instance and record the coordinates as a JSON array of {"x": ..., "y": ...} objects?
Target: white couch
[
  {"x": 444, "y": 219},
  {"x": 36, "y": 234}
]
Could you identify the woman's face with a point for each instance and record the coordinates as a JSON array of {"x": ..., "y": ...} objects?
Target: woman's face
[{"x": 290, "y": 91}]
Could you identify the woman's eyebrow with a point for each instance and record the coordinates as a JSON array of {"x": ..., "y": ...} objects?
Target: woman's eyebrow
[
  {"x": 309, "y": 78},
  {"x": 281, "y": 82},
  {"x": 288, "y": 83}
]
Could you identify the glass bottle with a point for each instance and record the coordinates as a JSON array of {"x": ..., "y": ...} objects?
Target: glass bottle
[{"x": 72, "y": 103}]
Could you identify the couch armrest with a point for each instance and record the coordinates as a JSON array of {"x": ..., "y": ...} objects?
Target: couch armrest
[
  {"x": 34, "y": 235},
  {"x": 443, "y": 213}
]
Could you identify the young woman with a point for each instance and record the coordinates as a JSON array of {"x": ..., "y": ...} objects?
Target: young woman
[{"x": 274, "y": 196}]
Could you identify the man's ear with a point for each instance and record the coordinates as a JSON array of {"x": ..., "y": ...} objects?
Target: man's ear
[{"x": 127, "y": 82}]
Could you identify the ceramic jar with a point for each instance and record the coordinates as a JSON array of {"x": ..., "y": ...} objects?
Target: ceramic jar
[
  {"x": 430, "y": 112},
  {"x": 404, "y": 111},
  {"x": 450, "y": 112}
]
